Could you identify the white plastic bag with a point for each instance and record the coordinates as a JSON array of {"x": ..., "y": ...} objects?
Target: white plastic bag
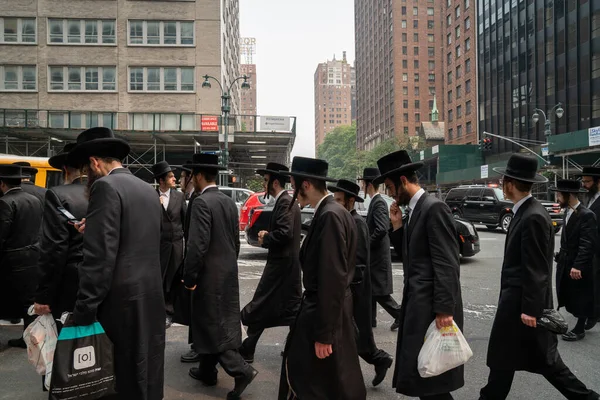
[
  {"x": 443, "y": 350},
  {"x": 40, "y": 337}
]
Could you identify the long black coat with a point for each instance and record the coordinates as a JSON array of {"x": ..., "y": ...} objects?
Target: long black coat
[
  {"x": 61, "y": 248},
  {"x": 595, "y": 207},
  {"x": 525, "y": 287},
  {"x": 328, "y": 260},
  {"x": 19, "y": 211},
  {"x": 171, "y": 237},
  {"x": 120, "y": 282},
  {"x": 211, "y": 265},
  {"x": 577, "y": 247},
  {"x": 279, "y": 292},
  {"x": 37, "y": 191},
  {"x": 431, "y": 265},
  {"x": 378, "y": 221}
]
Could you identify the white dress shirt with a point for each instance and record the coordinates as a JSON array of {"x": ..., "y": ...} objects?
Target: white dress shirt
[
  {"x": 279, "y": 195},
  {"x": 165, "y": 197},
  {"x": 593, "y": 199},
  {"x": 208, "y": 187},
  {"x": 110, "y": 172},
  {"x": 320, "y": 201},
  {"x": 518, "y": 205},
  {"x": 413, "y": 203}
]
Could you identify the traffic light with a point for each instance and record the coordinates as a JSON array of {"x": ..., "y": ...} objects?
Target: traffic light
[
  {"x": 485, "y": 144},
  {"x": 481, "y": 144}
]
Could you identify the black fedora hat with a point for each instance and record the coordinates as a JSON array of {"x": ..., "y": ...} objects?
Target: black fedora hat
[
  {"x": 161, "y": 168},
  {"x": 369, "y": 174},
  {"x": 568, "y": 186},
  {"x": 26, "y": 168},
  {"x": 205, "y": 161},
  {"x": 273, "y": 168},
  {"x": 185, "y": 167},
  {"x": 347, "y": 187},
  {"x": 590, "y": 171},
  {"x": 396, "y": 163},
  {"x": 99, "y": 142},
  {"x": 59, "y": 160},
  {"x": 522, "y": 168},
  {"x": 12, "y": 171},
  {"x": 308, "y": 168}
]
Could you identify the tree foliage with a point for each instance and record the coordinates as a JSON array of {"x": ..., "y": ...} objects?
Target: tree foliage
[{"x": 255, "y": 184}]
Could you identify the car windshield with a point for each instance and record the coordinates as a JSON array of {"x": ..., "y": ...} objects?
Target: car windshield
[{"x": 499, "y": 194}]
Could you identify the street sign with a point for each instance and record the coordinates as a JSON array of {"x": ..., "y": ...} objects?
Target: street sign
[
  {"x": 209, "y": 123},
  {"x": 545, "y": 151},
  {"x": 281, "y": 124},
  {"x": 484, "y": 171},
  {"x": 594, "y": 136},
  {"x": 226, "y": 172},
  {"x": 422, "y": 154},
  {"x": 435, "y": 149}
]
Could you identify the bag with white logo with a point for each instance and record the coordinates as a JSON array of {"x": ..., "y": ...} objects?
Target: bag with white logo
[
  {"x": 444, "y": 349},
  {"x": 40, "y": 337},
  {"x": 83, "y": 363}
]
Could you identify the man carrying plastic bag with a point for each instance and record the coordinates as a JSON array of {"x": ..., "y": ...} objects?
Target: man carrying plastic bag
[
  {"x": 40, "y": 338},
  {"x": 444, "y": 349}
]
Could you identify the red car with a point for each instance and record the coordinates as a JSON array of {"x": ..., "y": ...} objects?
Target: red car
[{"x": 255, "y": 200}]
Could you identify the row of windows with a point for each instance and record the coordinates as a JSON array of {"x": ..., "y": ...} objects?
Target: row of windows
[
  {"x": 417, "y": 77},
  {"x": 430, "y": 64},
  {"x": 467, "y": 3},
  {"x": 459, "y": 131},
  {"x": 459, "y": 111},
  {"x": 468, "y": 88},
  {"x": 417, "y": 91},
  {"x": 430, "y": 50},
  {"x": 415, "y": 12},
  {"x": 98, "y": 32},
  {"x": 98, "y": 79}
]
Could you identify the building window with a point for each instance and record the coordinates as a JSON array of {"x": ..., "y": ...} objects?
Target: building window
[
  {"x": 458, "y": 111},
  {"x": 403, "y": 10},
  {"x": 405, "y": 103},
  {"x": 405, "y": 90},
  {"x": 417, "y": 117},
  {"x": 459, "y": 131},
  {"x": 417, "y": 104},
  {"x": 467, "y": 23},
  {"x": 415, "y": 37},
  {"x": 416, "y": 77},
  {"x": 449, "y": 77},
  {"x": 161, "y": 33},
  {"x": 450, "y": 96},
  {"x": 431, "y": 51},
  {"x": 467, "y": 4},
  {"x": 405, "y": 117},
  {"x": 449, "y": 59},
  {"x": 404, "y": 38},
  {"x": 469, "y": 127},
  {"x": 161, "y": 79},
  {"x": 417, "y": 91},
  {"x": 416, "y": 51},
  {"x": 458, "y": 71},
  {"x": 468, "y": 65},
  {"x": 405, "y": 77},
  {"x": 404, "y": 50},
  {"x": 405, "y": 64},
  {"x": 406, "y": 130},
  {"x": 163, "y": 122},
  {"x": 415, "y": 24},
  {"x": 430, "y": 24},
  {"x": 431, "y": 77},
  {"x": 450, "y": 116},
  {"x": 416, "y": 64},
  {"x": 17, "y": 30},
  {"x": 450, "y": 134},
  {"x": 430, "y": 11},
  {"x": 449, "y": 3},
  {"x": 85, "y": 32},
  {"x": 415, "y": 11},
  {"x": 431, "y": 90},
  {"x": 458, "y": 52},
  {"x": 18, "y": 78},
  {"x": 403, "y": 23},
  {"x": 82, "y": 120},
  {"x": 449, "y": 20},
  {"x": 431, "y": 65},
  {"x": 82, "y": 79},
  {"x": 457, "y": 32},
  {"x": 468, "y": 108},
  {"x": 459, "y": 91},
  {"x": 457, "y": 11},
  {"x": 468, "y": 44},
  {"x": 430, "y": 38},
  {"x": 449, "y": 38},
  {"x": 468, "y": 86}
]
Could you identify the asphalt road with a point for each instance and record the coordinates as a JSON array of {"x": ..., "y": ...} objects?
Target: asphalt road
[{"x": 480, "y": 279}]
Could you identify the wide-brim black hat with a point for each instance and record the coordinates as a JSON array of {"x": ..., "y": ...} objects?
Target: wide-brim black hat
[
  {"x": 396, "y": 163},
  {"x": 26, "y": 168},
  {"x": 589, "y": 171},
  {"x": 185, "y": 167},
  {"x": 370, "y": 174},
  {"x": 274, "y": 169},
  {"x": 205, "y": 161},
  {"x": 59, "y": 160},
  {"x": 568, "y": 186},
  {"x": 309, "y": 168},
  {"x": 161, "y": 168},
  {"x": 12, "y": 171},
  {"x": 99, "y": 142},
  {"x": 347, "y": 187},
  {"x": 522, "y": 168}
]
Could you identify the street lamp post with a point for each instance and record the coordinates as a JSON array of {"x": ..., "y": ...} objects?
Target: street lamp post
[
  {"x": 557, "y": 109},
  {"x": 225, "y": 109}
]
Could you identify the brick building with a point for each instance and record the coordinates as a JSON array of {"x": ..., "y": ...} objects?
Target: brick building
[{"x": 248, "y": 98}]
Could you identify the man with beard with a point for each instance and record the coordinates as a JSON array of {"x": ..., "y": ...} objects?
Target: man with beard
[
  {"x": 590, "y": 178},
  {"x": 378, "y": 221},
  {"x": 516, "y": 343},
  {"x": 574, "y": 270},
  {"x": 19, "y": 211},
  {"x": 171, "y": 238},
  {"x": 120, "y": 282},
  {"x": 427, "y": 241},
  {"x": 28, "y": 184},
  {"x": 211, "y": 272},
  {"x": 320, "y": 360},
  {"x": 346, "y": 194},
  {"x": 279, "y": 293},
  {"x": 185, "y": 181}
]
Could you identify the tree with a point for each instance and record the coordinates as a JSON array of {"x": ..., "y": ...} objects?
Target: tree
[
  {"x": 339, "y": 150},
  {"x": 255, "y": 184}
]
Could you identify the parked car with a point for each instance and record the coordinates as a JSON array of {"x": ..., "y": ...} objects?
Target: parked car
[
  {"x": 238, "y": 195},
  {"x": 255, "y": 200},
  {"x": 467, "y": 236},
  {"x": 486, "y": 205}
]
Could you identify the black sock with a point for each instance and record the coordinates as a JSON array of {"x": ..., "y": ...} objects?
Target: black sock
[{"x": 580, "y": 326}]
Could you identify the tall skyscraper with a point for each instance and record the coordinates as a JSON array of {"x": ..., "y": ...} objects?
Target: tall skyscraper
[
  {"x": 460, "y": 73},
  {"x": 399, "y": 54},
  {"x": 536, "y": 54},
  {"x": 333, "y": 97}
]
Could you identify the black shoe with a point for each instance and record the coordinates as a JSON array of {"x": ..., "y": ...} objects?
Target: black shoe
[
  {"x": 17, "y": 343},
  {"x": 572, "y": 336},
  {"x": 190, "y": 357},
  {"x": 395, "y": 325},
  {"x": 206, "y": 380},
  {"x": 246, "y": 355},
  {"x": 382, "y": 369},
  {"x": 15, "y": 321},
  {"x": 591, "y": 322},
  {"x": 168, "y": 322},
  {"x": 241, "y": 384}
]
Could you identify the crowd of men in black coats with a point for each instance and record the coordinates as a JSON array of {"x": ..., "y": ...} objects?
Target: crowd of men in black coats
[{"x": 112, "y": 249}]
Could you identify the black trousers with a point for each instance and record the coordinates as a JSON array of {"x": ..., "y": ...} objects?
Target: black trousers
[
  {"x": 389, "y": 305},
  {"x": 445, "y": 396},
  {"x": 559, "y": 375},
  {"x": 249, "y": 344},
  {"x": 231, "y": 361}
]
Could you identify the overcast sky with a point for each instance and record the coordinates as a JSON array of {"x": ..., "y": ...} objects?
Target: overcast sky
[{"x": 292, "y": 37}]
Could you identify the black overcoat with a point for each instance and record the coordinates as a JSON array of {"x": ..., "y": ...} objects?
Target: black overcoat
[
  {"x": 120, "y": 282},
  {"x": 61, "y": 248},
  {"x": 211, "y": 265},
  {"x": 328, "y": 260},
  {"x": 279, "y": 292},
  {"x": 33, "y": 189},
  {"x": 19, "y": 212},
  {"x": 525, "y": 288},
  {"x": 577, "y": 247},
  {"x": 378, "y": 221},
  {"x": 431, "y": 266},
  {"x": 171, "y": 237},
  {"x": 595, "y": 207}
]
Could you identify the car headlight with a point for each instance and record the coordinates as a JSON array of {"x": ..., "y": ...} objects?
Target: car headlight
[{"x": 468, "y": 225}]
